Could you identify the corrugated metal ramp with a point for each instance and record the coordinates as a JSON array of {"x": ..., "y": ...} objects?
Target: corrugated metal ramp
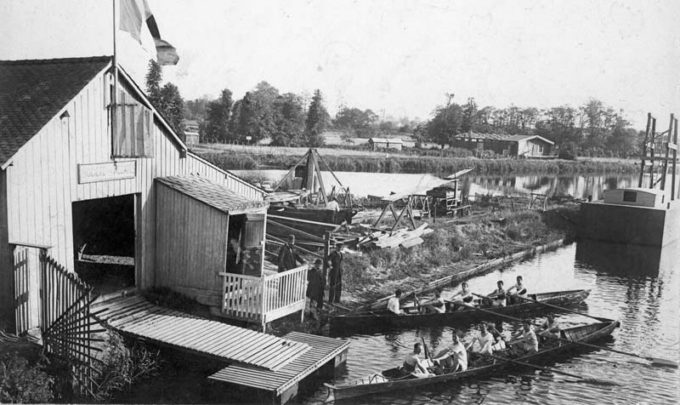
[
  {"x": 137, "y": 317},
  {"x": 324, "y": 349}
]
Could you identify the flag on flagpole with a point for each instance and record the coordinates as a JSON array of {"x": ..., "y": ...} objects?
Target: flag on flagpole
[{"x": 133, "y": 14}]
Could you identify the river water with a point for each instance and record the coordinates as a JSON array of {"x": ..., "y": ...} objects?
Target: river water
[
  {"x": 381, "y": 184},
  {"x": 638, "y": 286}
]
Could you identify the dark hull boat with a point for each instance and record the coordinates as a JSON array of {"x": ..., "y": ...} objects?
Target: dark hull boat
[
  {"x": 384, "y": 319},
  {"x": 393, "y": 380}
]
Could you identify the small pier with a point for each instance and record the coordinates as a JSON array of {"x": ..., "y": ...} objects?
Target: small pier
[
  {"x": 255, "y": 360},
  {"x": 137, "y": 317},
  {"x": 283, "y": 384}
]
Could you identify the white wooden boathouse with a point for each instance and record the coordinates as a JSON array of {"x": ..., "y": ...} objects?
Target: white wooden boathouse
[{"x": 71, "y": 163}]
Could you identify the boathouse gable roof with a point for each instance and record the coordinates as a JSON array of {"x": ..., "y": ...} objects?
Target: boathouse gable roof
[
  {"x": 32, "y": 92},
  {"x": 210, "y": 193}
]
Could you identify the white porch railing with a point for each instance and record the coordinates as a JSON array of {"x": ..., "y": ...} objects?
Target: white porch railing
[{"x": 264, "y": 299}]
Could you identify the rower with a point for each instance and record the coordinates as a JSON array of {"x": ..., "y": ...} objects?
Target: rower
[
  {"x": 485, "y": 340},
  {"x": 463, "y": 296},
  {"x": 455, "y": 357},
  {"x": 498, "y": 295},
  {"x": 498, "y": 339},
  {"x": 526, "y": 342},
  {"x": 413, "y": 363},
  {"x": 393, "y": 303},
  {"x": 517, "y": 290},
  {"x": 436, "y": 305},
  {"x": 550, "y": 328}
]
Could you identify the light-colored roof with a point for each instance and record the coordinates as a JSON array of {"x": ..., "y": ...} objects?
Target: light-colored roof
[
  {"x": 386, "y": 140},
  {"x": 502, "y": 137},
  {"x": 210, "y": 193}
]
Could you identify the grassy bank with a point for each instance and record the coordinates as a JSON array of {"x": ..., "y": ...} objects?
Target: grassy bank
[
  {"x": 492, "y": 231},
  {"x": 384, "y": 163}
]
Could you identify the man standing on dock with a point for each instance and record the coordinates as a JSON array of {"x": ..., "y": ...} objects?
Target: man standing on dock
[
  {"x": 288, "y": 258},
  {"x": 335, "y": 276}
]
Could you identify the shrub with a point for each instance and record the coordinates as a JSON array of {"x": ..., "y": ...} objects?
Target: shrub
[
  {"x": 21, "y": 382},
  {"x": 122, "y": 366}
]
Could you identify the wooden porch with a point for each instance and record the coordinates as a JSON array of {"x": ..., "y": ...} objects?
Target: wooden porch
[{"x": 264, "y": 299}]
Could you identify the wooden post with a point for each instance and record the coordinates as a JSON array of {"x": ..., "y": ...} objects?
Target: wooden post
[
  {"x": 434, "y": 217},
  {"x": 675, "y": 156},
  {"x": 665, "y": 162},
  {"x": 318, "y": 174},
  {"x": 644, "y": 149},
  {"x": 326, "y": 253},
  {"x": 651, "y": 155},
  {"x": 382, "y": 214},
  {"x": 399, "y": 218}
]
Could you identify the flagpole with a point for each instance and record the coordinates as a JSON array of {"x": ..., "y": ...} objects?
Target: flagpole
[{"x": 114, "y": 96}]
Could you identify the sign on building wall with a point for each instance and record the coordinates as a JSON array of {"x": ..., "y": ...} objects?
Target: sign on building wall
[{"x": 94, "y": 172}]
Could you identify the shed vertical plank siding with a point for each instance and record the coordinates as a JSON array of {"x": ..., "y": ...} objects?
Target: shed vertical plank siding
[
  {"x": 43, "y": 181},
  {"x": 194, "y": 236}
]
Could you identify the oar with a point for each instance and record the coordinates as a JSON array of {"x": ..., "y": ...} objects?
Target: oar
[
  {"x": 553, "y": 306},
  {"x": 655, "y": 361},
  {"x": 552, "y": 370}
]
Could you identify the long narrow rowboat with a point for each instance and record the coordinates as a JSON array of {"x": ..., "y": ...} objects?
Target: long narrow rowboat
[
  {"x": 385, "y": 319},
  {"x": 392, "y": 380}
]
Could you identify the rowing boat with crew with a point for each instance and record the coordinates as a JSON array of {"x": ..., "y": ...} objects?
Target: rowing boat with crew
[
  {"x": 394, "y": 379},
  {"x": 413, "y": 315}
]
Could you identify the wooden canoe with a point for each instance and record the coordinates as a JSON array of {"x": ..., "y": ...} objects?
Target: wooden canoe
[
  {"x": 387, "y": 382},
  {"x": 384, "y": 319}
]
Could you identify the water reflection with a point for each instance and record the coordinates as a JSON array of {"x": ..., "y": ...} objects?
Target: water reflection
[
  {"x": 638, "y": 286},
  {"x": 618, "y": 259},
  {"x": 381, "y": 184}
]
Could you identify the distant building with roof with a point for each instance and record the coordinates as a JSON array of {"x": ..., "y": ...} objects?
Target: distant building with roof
[
  {"x": 191, "y": 136},
  {"x": 386, "y": 143},
  {"x": 517, "y": 146}
]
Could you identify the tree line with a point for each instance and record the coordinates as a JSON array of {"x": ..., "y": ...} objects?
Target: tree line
[
  {"x": 263, "y": 113},
  {"x": 289, "y": 120},
  {"x": 592, "y": 128}
]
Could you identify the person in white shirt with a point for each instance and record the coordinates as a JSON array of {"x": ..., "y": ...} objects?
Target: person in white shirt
[
  {"x": 517, "y": 290},
  {"x": 526, "y": 342},
  {"x": 464, "y": 296},
  {"x": 455, "y": 357},
  {"x": 485, "y": 340},
  {"x": 550, "y": 328},
  {"x": 393, "y": 304},
  {"x": 498, "y": 295},
  {"x": 436, "y": 305},
  {"x": 333, "y": 205}
]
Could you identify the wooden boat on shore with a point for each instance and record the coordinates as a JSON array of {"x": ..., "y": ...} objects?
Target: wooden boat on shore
[
  {"x": 393, "y": 379},
  {"x": 385, "y": 319}
]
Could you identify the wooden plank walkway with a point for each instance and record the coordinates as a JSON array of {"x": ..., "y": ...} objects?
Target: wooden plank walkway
[
  {"x": 324, "y": 349},
  {"x": 138, "y": 317}
]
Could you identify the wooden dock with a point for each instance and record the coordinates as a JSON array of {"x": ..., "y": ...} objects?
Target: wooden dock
[
  {"x": 283, "y": 383},
  {"x": 137, "y": 317}
]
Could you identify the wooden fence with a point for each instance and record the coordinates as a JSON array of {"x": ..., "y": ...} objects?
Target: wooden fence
[
  {"x": 264, "y": 299},
  {"x": 55, "y": 300}
]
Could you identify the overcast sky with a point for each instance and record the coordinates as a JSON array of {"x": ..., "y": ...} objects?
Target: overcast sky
[{"x": 396, "y": 57}]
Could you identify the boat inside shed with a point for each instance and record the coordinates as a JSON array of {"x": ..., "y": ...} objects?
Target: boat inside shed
[{"x": 104, "y": 242}]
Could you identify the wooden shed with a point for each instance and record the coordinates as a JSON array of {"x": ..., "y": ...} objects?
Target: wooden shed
[
  {"x": 77, "y": 178},
  {"x": 204, "y": 226}
]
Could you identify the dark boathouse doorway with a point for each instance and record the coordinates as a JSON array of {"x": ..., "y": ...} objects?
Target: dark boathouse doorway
[{"x": 104, "y": 242}]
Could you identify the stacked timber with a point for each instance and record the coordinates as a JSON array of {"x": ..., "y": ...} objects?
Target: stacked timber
[{"x": 384, "y": 239}]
